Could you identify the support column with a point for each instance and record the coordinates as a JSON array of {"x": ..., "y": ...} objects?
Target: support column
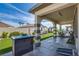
[
  {"x": 60, "y": 27},
  {"x": 38, "y": 32},
  {"x": 67, "y": 28},
  {"x": 54, "y": 24},
  {"x": 29, "y": 31},
  {"x": 77, "y": 38}
]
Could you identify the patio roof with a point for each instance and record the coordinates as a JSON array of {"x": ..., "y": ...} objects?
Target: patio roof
[
  {"x": 31, "y": 26},
  {"x": 4, "y": 25},
  {"x": 27, "y": 26},
  {"x": 39, "y": 6},
  {"x": 61, "y": 13}
]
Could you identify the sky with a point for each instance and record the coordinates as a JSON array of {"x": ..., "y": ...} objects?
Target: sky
[{"x": 14, "y": 13}]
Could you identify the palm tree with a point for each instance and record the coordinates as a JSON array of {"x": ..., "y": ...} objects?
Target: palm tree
[
  {"x": 21, "y": 23},
  {"x": 28, "y": 28}
]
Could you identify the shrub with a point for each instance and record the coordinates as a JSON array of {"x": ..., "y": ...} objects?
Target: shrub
[
  {"x": 14, "y": 34},
  {"x": 33, "y": 33},
  {"x": 23, "y": 34},
  {"x": 4, "y": 34},
  {"x": 71, "y": 41}
]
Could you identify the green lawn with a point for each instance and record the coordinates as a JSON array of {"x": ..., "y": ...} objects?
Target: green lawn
[
  {"x": 45, "y": 36},
  {"x": 6, "y": 43}
]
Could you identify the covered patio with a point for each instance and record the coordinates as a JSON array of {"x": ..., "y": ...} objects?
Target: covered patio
[{"x": 62, "y": 13}]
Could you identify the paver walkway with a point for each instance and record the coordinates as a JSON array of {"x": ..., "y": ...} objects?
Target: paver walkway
[{"x": 48, "y": 47}]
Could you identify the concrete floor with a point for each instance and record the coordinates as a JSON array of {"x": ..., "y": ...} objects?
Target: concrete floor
[{"x": 48, "y": 47}]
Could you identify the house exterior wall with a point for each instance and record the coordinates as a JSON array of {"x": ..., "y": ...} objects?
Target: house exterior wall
[
  {"x": 24, "y": 30},
  {"x": 29, "y": 30}
]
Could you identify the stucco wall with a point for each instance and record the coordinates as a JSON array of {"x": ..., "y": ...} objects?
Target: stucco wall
[{"x": 24, "y": 30}]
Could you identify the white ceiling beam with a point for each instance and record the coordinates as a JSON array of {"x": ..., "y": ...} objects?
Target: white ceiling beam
[
  {"x": 52, "y": 8},
  {"x": 66, "y": 22}
]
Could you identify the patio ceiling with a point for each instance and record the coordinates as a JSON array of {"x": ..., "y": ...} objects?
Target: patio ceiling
[
  {"x": 64, "y": 16},
  {"x": 59, "y": 13}
]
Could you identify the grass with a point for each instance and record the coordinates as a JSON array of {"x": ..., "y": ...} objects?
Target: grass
[
  {"x": 45, "y": 36},
  {"x": 5, "y": 45},
  {"x": 6, "y": 50}
]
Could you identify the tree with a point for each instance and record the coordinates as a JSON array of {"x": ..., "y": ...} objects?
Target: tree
[{"x": 21, "y": 23}]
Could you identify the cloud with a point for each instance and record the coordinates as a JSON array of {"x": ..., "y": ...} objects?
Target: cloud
[
  {"x": 8, "y": 16},
  {"x": 22, "y": 16},
  {"x": 16, "y": 19},
  {"x": 9, "y": 22},
  {"x": 47, "y": 23},
  {"x": 19, "y": 10},
  {"x": 28, "y": 19}
]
